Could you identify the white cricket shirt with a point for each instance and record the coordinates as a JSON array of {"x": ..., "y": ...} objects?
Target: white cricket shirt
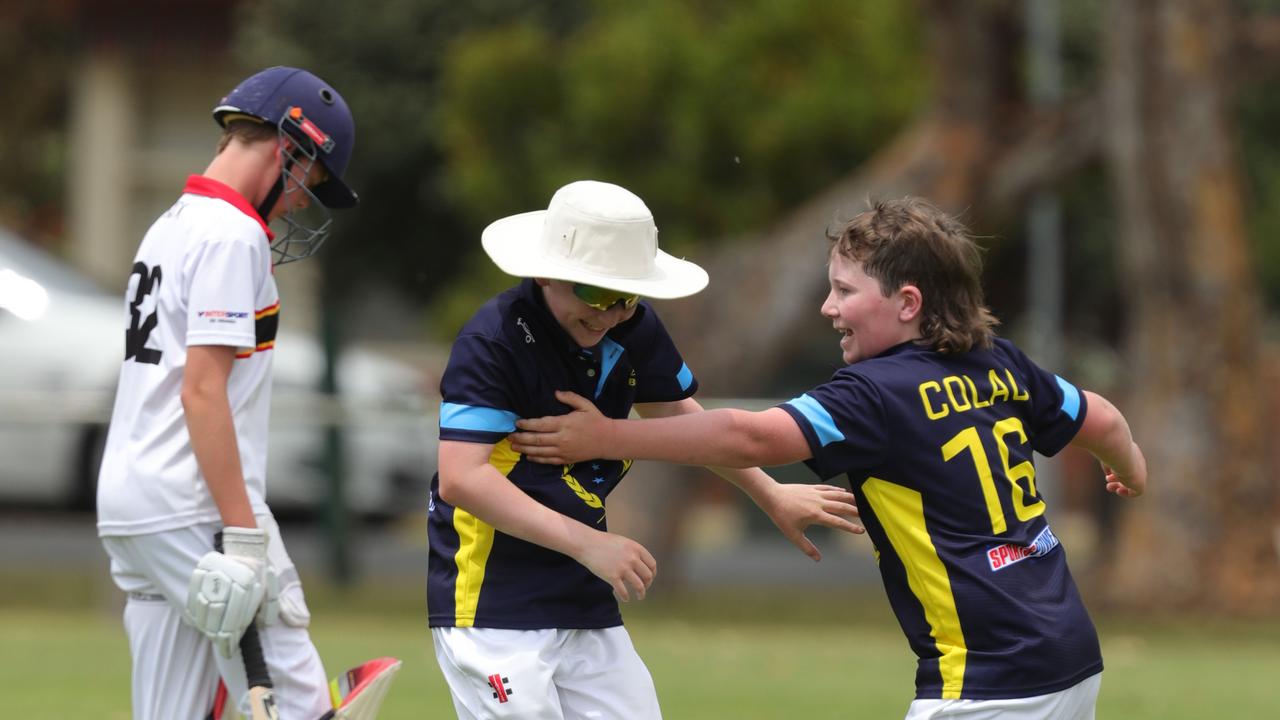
[{"x": 202, "y": 276}]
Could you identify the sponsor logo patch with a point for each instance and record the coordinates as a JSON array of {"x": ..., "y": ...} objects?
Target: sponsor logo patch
[
  {"x": 528, "y": 334},
  {"x": 313, "y": 131},
  {"x": 221, "y": 314},
  {"x": 1002, "y": 556},
  {"x": 501, "y": 689}
]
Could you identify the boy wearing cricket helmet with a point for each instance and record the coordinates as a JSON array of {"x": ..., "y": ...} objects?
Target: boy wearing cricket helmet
[
  {"x": 933, "y": 422},
  {"x": 523, "y": 573},
  {"x": 186, "y": 450}
]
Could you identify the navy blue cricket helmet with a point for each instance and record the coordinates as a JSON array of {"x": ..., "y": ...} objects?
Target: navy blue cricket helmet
[{"x": 307, "y": 108}]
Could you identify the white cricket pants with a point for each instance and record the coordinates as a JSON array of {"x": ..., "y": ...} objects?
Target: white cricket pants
[
  {"x": 175, "y": 668},
  {"x": 545, "y": 674}
]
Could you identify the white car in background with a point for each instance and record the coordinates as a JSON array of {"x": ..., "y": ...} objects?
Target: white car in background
[{"x": 61, "y": 344}]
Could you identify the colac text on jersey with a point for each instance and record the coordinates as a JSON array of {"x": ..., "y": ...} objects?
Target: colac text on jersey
[{"x": 959, "y": 393}]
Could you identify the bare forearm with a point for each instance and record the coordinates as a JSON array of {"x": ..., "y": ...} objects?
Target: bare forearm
[
  {"x": 1119, "y": 454},
  {"x": 679, "y": 432},
  {"x": 213, "y": 440},
  {"x": 1106, "y": 435},
  {"x": 471, "y": 483},
  {"x": 724, "y": 438},
  {"x": 793, "y": 508},
  {"x": 753, "y": 481},
  {"x": 720, "y": 439},
  {"x": 484, "y": 492}
]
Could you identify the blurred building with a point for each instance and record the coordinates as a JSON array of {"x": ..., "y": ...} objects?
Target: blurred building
[
  {"x": 139, "y": 116},
  {"x": 139, "y": 122}
]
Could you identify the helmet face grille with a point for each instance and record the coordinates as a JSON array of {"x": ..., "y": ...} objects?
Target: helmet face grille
[
  {"x": 308, "y": 222},
  {"x": 300, "y": 240}
]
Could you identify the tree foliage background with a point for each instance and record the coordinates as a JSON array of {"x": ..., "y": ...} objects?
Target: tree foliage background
[
  {"x": 750, "y": 126},
  {"x": 720, "y": 114}
]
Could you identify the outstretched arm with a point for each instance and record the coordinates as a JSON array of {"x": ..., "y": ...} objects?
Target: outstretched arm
[
  {"x": 470, "y": 482},
  {"x": 721, "y": 438},
  {"x": 791, "y": 507},
  {"x": 1106, "y": 435}
]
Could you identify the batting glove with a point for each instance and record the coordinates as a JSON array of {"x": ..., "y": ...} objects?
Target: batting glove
[
  {"x": 249, "y": 546},
  {"x": 222, "y": 598}
]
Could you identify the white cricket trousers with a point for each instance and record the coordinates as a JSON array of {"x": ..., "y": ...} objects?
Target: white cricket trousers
[
  {"x": 1077, "y": 702},
  {"x": 545, "y": 674},
  {"x": 175, "y": 668}
]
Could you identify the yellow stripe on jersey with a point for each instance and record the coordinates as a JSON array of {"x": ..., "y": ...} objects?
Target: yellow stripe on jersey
[
  {"x": 503, "y": 457},
  {"x": 901, "y": 513},
  {"x": 475, "y": 541}
]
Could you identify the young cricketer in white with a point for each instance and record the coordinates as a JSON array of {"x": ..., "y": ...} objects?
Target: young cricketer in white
[{"x": 187, "y": 446}]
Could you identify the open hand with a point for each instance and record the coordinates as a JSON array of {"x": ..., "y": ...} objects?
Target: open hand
[
  {"x": 582, "y": 434},
  {"x": 794, "y": 507}
]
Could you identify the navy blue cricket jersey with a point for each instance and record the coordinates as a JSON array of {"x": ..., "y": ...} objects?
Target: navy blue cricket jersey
[
  {"x": 507, "y": 363},
  {"x": 938, "y": 450}
]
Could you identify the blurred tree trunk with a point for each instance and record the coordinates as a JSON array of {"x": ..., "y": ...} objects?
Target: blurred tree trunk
[{"x": 1202, "y": 537}]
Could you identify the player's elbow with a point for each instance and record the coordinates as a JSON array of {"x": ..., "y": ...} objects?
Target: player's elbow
[
  {"x": 451, "y": 488},
  {"x": 764, "y": 452},
  {"x": 196, "y": 395},
  {"x": 751, "y": 442},
  {"x": 460, "y": 487},
  {"x": 1105, "y": 432}
]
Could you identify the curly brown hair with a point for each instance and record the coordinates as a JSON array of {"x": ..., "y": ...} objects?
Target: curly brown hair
[{"x": 911, "y": 242}]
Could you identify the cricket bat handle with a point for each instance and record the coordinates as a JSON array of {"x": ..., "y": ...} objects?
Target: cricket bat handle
[{"x": 262, "y": 702}]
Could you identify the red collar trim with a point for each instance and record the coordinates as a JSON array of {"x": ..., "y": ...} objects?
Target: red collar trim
[{"x": 208, "y": 187}]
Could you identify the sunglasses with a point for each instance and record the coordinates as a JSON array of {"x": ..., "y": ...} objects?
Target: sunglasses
[{"x": 602, "y": 299}]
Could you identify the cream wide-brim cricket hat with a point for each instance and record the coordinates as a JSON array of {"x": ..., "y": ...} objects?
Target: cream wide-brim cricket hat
[{"x": 594, "y": 233}]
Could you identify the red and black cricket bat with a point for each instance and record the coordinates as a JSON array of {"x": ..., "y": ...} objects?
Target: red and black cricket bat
[
  {"x": 262, "y": 701},
  {"x": 359, "y": 691}
]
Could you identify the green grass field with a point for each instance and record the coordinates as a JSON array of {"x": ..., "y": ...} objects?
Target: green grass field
[{"x": 728, "y": 655}]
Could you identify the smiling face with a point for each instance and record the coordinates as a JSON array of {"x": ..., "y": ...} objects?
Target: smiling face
[
  {"x": 869, "y": 322},
  {"x": 585, "y": 324}
]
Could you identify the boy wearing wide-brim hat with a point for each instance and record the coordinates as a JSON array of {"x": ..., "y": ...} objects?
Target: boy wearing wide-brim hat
[{"x": 524, "y": 576}]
